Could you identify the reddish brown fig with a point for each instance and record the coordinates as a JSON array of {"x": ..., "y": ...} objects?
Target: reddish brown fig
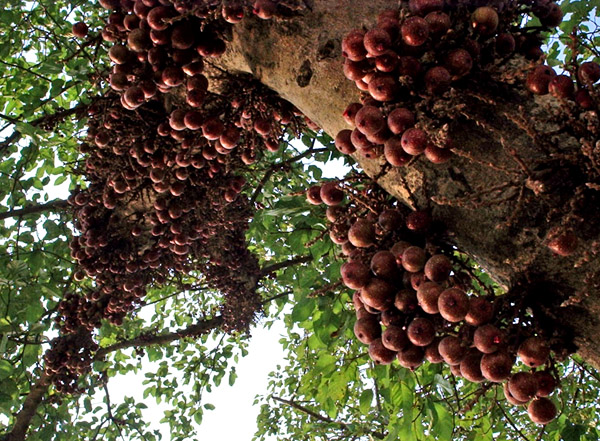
[
  {"x": 264, "y": 9},
  {"x": 399, "y": 120},
  {"x": 359, "y": 140},
  {"x": 523, "y": 386},
  {"x": 350, "y": 113},
  {"x": 387, "y": 62},
  {"x": 414, "y": 141},
  {"x": 546, "y": 383},
  {"x": 377, "y": 41},
  {"x": 134, "y": 96},
  {"x": 80, "y": 29},
  {"x": 367, "y": 329},
  {"x": 589, "y": 72},
  {"x": 418, "y": 221},
  {"x": 411, "y": 357},
  {"x": 232, "y": 13},
  {"x": 394, "y": 338},
  {"x": 453, "y": 304},
  {"x": 422, "y": 7},
  {"x": 406, "y": 301},
  {"x": 138, "y": 40},
  {"x": 383, "y": 87},
  {"x": 496, "y": 367},
  {"x": 343, "y": 142},
  {"x": 480, "y": 312},
  {"x": 485, "y": 20},
  {"x": 413, "y": 259},
  {"x": 539, "y": 78},
  {"x": 173, "y": 76},
  {"x": 383, "y": 264},
  {"x": 427, "y": 296},
  {"x": 509, "y": 397},
  {"x": 534, "y": 351},
  {"x": 541, "y": 411},
  {"x": 353, "y": 47},
  {"x": 331, "y": 194},
  {"x": 420, "y": 331},
  {"x": 378, "y": 294},
  {"x": 392, "y": 317},
  {"x": 355, "y": 70},
  {"x": 369, "y": 120},
  {"x": 452, "y": 350},
  {"x": 564, "y": 244},
  {"x": 379, "y": 353},
  {"x": 459, "y": 62},
  {"x": 213, "y": 128},
  {"x": 553, "y": 16},
  {"x": 409, "y": 66},
  {"x": 584, "y": 99},
  {"x": 193, "y": 120},
  {"x": 437, "y": 155},
  {"x": 355, "y": 275},
  {"x": 438, "y": 267},
  {"x": 439, "y": 23},
  {"x": 398, "y": 248},
  {"x": 390, "y": 219},
  {"x": 488, "y": 338},
  {"x": 415, "y": 31},
  {"x": 470, "y": 366},
  {"x": 313, "y": 195},
  {"x": 333, "y": 213},
  {"x": 362, "y": 233},
  {"x": 119, "y": 54},
  {"x": 437, "y": 80},
  {"x": 157, "y": 18},
  {"x": 394, "y": 152},
  {"x": 562, "y": 87},
  {"x": 505, "y": 44},
  {"x": 432, "y": 353}
]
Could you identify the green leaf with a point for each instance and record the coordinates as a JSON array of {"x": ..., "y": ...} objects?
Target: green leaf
[
  {"x": 6, "y": 369},
  {"x": 365, "y": 400},
  {"x": 303, "y": 310}
]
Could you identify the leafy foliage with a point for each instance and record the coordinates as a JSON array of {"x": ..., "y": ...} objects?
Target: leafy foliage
[{"x": 328, "y": 388}]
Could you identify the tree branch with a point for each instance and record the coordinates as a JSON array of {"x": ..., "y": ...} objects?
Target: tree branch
[
  {"x": 320, "y": 417},
  {"x": 44, "y": 120},
  {"x": 37, "y": 392},
  {"x": 280, "y": 165},
  {"x": 55, "y": 205},
  {"x": 162, "y": 339},
  {"x": 277, "y": 266},
  {"x": 32, "y": 402}
]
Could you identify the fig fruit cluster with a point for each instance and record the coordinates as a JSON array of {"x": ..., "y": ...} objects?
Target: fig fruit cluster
[
  {"x": 162, "y": 49},
  {"x": 578, "y": 86},
  {"x": 414, "y": 305},
  {"x": 414, "y": 56}
]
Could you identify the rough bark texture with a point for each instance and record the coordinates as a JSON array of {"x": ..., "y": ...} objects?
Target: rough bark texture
[{"x": 505, "y": 229}]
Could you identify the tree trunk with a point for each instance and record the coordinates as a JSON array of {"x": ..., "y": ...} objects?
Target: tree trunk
[{"x": 507, "y": 188}]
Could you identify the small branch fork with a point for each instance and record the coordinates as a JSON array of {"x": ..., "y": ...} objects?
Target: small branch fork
[{"x": 320, "y": 417}]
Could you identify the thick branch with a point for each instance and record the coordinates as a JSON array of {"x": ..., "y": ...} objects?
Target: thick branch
[
  {"x": 35, "y": 396},
  {"x": 291, "y": 262},
  {"x": 163, "y": 339},
  {"x": 55, "y": 205},
  {"x": 33, "y": 400}
]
